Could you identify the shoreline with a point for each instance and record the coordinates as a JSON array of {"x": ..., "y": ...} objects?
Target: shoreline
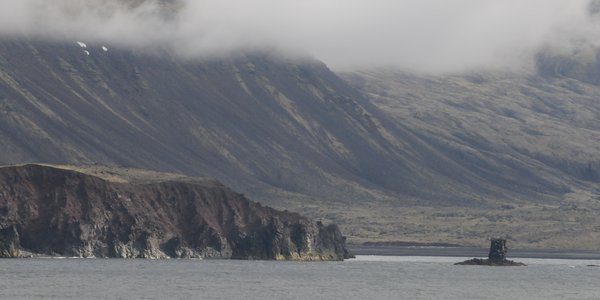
[{"x": 471, "y": 252}]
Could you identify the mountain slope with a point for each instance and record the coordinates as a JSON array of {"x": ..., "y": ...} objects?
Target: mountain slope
[
  {"x": 539, "y": 126},
  {"x": 258, "y": 122},
  {"x": 511, "y": 122},
  {"x": 252, "y": 120},
  {"x": 288, "y": 132}
]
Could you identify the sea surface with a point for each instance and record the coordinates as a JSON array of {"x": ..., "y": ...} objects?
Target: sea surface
[{"x": 366, "y": 277}]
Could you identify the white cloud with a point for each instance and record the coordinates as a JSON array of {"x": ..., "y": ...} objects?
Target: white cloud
[{"x": 429, "y": 35}]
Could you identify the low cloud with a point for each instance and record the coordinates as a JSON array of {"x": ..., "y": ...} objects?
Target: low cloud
[{"x": 424, "y": 35}]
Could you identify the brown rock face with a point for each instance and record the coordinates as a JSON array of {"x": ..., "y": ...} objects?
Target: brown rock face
[{"x": 58, "y": 211}]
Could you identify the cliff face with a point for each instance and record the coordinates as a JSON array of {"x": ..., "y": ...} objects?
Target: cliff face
[{"x": 58, "y": 211}]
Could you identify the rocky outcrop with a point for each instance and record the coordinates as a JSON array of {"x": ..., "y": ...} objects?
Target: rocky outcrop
[
  {"x": 62, "y": 211},
  {"x": 496, "y": 257},
  {"x": 498, "y": 251},
  {"x": 9, "y": 243},
  {"x": 487, "y": 262}
]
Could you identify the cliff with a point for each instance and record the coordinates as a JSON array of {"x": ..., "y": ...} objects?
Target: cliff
[{"x": 126, "y": 213}]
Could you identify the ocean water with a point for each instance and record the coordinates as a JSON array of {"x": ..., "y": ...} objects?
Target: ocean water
[{"x": 367, "y": 277}]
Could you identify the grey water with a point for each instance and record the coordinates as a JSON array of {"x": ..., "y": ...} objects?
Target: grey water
[{"x": 367, "y": 277}]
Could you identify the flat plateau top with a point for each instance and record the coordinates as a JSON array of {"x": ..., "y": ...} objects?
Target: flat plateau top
[{"x": 124, "y": 175}]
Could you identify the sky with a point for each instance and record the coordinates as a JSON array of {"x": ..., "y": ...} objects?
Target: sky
[{"x": 421, "y": 35}]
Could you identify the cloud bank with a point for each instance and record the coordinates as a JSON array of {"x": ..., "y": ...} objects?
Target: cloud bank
[{"x": 425, "y": 35}]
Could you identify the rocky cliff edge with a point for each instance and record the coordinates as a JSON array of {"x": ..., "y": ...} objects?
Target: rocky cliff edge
[{"x": 123, "y": 213}]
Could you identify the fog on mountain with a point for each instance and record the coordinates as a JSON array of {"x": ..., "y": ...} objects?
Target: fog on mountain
[{"x": 430, "y": 35}]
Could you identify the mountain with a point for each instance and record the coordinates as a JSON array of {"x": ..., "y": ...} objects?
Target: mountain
[
  {"x": 287, "y": 132},
  {"x": 387, "y": 155},
  {"x": 254, "y": 120},
  {"x": 539, "y": 127},
  {"x": 107, "y": 212},
  {"x": 257, "y": 122}
]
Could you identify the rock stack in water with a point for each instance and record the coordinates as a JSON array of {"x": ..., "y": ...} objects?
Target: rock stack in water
[
  {"x": 496, "y": 257},
  {"x": 498, "y": 251}
]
